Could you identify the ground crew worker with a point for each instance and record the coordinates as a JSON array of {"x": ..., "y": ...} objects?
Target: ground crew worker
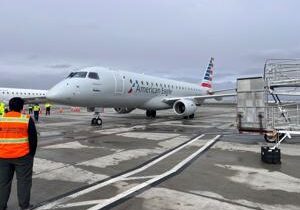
[
  {"x": 30, "y": 107},
  {"x": 48, "y": 108},
  {"x": 18, "y": 142},
  {"x": 2, "y": 108},
  {"x": 36, "y": 112}
]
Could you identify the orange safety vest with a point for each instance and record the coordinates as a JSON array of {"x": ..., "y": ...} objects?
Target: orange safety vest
[{"x": 14, "y": 135}]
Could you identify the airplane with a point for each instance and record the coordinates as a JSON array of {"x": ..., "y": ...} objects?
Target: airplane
[
  {"x": 94, "y": 87},
  {"x": 29, "y": 95}
]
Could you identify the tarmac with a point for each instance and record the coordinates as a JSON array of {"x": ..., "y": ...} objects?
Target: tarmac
[{"x": 135, "y": 163}]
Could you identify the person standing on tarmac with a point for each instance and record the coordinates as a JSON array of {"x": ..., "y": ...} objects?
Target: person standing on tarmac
[
  {"x": 36, "y": 112},
  {"x": 48, "y": 108},
  {"x": 18, "y": 143},
  {"x": 30, "y": 107}
]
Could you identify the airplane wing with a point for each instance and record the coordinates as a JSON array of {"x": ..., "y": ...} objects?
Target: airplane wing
[
  {"x": 199, "y": 99},
  {"x": 34, "y": 100}
]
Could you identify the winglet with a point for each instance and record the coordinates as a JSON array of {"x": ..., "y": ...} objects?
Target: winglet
[{"x": 208, "y": 76}]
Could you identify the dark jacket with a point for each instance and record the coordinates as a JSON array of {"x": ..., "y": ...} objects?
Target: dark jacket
[{"x": 32, "y": 137}]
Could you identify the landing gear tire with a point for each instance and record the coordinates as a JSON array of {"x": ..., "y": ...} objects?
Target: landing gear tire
[
  {"x": 151, "y": 113},
  {"x": 96, "y": 121},
  {"x": 272, "y": 138},
  {"x": 192, "y": 116},
  {"x": 148, "y": 113}
]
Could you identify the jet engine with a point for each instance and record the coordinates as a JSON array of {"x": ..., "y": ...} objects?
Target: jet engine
[
  {"x": 184, "y": 107},
  {"x": 124, "y": 110}
]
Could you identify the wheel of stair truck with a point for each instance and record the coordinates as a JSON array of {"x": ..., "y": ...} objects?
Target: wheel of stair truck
[
  {"x": 270, "y": 155},
  {"x": 273, "y": 137}
]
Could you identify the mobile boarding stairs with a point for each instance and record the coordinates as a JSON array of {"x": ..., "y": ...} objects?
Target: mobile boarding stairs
[{"x": 262, "y": 104}]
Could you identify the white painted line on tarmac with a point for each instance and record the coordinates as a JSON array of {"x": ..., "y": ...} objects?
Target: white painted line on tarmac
[
  {"x": 51, "y": 205},
  {"x": 138, "y": 178},
  {"x": 77, "y": 204},
  {"x": 176, "y": 168}
]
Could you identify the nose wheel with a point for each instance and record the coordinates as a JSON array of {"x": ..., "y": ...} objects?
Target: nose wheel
[{"x": 96, "y": 120}]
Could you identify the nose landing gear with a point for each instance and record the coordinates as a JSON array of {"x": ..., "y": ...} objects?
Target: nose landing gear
[
  {"x": 151, "y": 113},
  {"x": 96, "y": 120}
]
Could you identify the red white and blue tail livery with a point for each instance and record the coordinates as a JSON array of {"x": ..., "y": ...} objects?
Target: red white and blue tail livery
[{"x": 208, "y": 76}]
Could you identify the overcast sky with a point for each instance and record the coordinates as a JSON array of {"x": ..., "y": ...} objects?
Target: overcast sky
[{"x": 42, "y": 40}]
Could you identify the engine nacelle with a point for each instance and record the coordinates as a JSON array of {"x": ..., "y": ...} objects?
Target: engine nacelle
[
  {"x": 124, "y": 110},
  {"x": 184, "y": 107}
]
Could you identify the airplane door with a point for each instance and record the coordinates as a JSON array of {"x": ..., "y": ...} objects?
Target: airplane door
[{"x": 119, "y": 83}]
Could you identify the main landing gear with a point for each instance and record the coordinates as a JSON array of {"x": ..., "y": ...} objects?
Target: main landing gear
[
  {"x": 192, "y": 116},
  {"x": 151, "y": 113},
  {"x": 96, "y": 120}
]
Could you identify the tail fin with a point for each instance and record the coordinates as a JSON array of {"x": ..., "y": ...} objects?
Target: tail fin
[{"x": 208, "y": 76}]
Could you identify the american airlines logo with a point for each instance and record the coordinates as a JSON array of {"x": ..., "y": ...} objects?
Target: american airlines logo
[{"x": 136, "y": 88}]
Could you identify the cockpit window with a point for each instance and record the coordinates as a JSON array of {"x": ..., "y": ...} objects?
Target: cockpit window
[
  {"x": 71, "y": 75},
  {"x": 93, "y": 75},
  {"x": 80, "y": 74}
]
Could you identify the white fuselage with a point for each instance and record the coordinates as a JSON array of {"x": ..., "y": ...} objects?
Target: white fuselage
[
  {"x": 120, "y": 89},
  {"x": 7, "y": 93}
]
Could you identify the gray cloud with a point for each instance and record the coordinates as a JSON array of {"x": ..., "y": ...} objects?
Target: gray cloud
[{"x": 60, "y": 66}]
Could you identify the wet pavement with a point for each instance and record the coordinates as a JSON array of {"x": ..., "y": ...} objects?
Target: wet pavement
[{"x": 165, "y": 163}]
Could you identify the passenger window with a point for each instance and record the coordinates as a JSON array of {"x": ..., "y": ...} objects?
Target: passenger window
[
  {"x": 93, "y": 75},
  {"x": 130, "y": 80}
]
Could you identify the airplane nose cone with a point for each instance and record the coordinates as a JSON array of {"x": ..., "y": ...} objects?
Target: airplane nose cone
[
  {"x": 53, "y": 94},
  {"x": 57, "y": 93}
]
